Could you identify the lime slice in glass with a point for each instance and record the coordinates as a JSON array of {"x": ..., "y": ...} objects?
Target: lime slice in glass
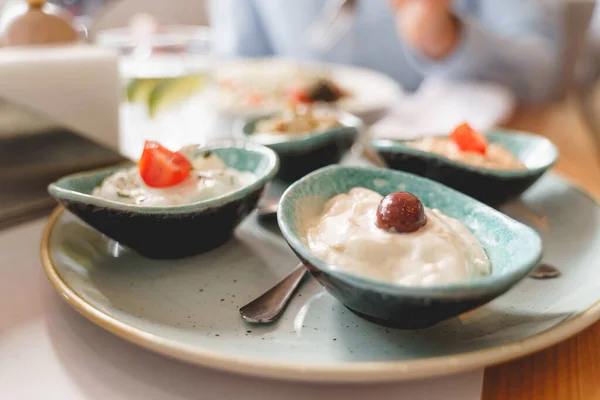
[
  {"x": 140, "y": 88},
  {"x": 171, "y": 91}
]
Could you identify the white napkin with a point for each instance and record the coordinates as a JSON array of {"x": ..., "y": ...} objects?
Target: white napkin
[
  {"x": 76, "y": 86},
  {"x": 439, "y": 105}
]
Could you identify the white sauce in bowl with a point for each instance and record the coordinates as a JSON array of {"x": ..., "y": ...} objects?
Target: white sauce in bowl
[
  {"x": 345, "y": 235},
  {"x": 495, "y": 157},
  {"x": 294, "y": 125},
  {"x": 210, "y": 178}
]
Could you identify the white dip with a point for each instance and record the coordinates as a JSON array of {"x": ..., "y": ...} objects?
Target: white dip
[
  {"x": 210, "y": 178},
  {"x": 442, "y": 251},
  {"x": 292, "y": 125},
  {"x": 495, "y": 157}
]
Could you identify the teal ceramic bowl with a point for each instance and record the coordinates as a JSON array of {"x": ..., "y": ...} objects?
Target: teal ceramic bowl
[
  {"x": 513, "y": 248},
  {"x": 490, "y": 186},
  {"x": 306, "y": 153},
  {"x": 171, "y": 231}
]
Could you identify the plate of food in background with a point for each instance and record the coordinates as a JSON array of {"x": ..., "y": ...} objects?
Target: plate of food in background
[{"x": 255, "y": 87}]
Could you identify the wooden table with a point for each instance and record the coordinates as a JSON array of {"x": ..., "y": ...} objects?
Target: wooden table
[{"x": 571, "y": 369}]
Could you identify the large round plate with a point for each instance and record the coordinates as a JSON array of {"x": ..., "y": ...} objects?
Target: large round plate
[
  {"x": 373, "y": 93},
  {"x": 188, "y": 309}
]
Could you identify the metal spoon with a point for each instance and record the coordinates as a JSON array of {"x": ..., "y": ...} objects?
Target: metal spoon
[{"x": 270, "y": 305}]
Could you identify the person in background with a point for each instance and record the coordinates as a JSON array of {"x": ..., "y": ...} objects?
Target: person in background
[{"x": 516, "y": 43}]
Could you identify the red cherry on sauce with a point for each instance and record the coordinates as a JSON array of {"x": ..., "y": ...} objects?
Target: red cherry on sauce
[{"x": 402, "y": 211}]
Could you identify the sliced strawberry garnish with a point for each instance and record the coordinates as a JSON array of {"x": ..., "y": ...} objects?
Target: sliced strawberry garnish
[
  {"x": 468, "y": 139},
  {"x": 161, "y": 167}
]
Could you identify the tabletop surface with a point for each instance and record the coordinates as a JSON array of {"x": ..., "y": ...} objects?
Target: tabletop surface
[{"x": 569, "y": 370}]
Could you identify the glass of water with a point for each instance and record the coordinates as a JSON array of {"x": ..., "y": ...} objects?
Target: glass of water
[{"x": 168, "y": 91}]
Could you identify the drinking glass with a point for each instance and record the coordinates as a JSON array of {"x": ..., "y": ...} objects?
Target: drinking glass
[{"x": 168, "y": 91}]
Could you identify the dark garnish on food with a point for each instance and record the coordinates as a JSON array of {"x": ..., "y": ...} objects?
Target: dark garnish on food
[
  {"x": 207, "y": 154},
  {"x": 324, "y": 90},
  {"x": 401, "y": 211}
]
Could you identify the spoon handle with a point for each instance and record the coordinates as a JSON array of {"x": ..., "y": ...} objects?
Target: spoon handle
[{"x": 270, "y": 305}]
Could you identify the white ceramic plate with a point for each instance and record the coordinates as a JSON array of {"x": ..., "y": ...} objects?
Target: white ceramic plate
[
  {"x": 373, "y": 93},
  {"x": 188, "y": 309}
]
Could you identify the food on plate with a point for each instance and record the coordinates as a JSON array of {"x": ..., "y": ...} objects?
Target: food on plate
[
  {"x": 295, "y": 122},
  {"x": 273, "y": 84},
  {"x": 319, "y": 90},
  {"x": 467, "y": 145},
  {"x": 395, "y": 239},
  {"x": 167, "y": 178}
]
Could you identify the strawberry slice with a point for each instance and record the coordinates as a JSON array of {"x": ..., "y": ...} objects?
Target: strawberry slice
[
  {"x": 161, "y": 167},
  {"x": 468, "y": 139}
]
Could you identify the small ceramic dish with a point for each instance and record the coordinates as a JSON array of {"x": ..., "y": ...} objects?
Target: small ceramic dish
[
  {"x": 513, "y": 248},
  {"x": 303, "y": 154},
  {"x": 490, "y": 186},
  {"x": 171, "y": 231}
]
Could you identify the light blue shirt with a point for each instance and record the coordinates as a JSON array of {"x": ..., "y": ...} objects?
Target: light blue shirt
[{"x": 512, "y": 42}]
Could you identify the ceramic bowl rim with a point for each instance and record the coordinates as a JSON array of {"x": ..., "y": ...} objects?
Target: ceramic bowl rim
[
  {"x": 459, "y": 290},
  {"x": 399, "y": 146},
  {"x": 67, "y": 194},
  {"x": 350, "y": 123}
]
